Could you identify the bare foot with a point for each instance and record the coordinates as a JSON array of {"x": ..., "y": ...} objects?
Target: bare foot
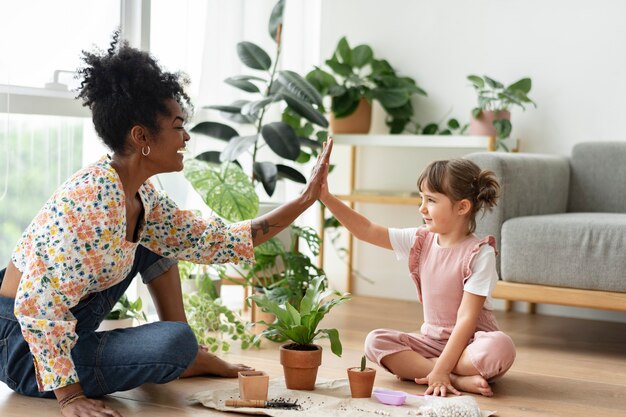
[
  {"x": 474, "y": 383},
  {"x": 209, "y": 364}
]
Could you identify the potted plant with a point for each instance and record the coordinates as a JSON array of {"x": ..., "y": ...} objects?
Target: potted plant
[
  {"x": 361, "y": 380},
  {"x": 299, "y": 324},
  {"x": 492, "y": 116},
  {"x": 123, "y": 314},
  {"x": 358, "y": 79},
  {"x": 194, "y": 278},
  {"x": 218, "y": 177},
  {"x": 214, "y": 324}
]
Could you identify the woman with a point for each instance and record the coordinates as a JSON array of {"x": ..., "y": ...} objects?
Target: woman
[{"x": 105, "y": 224}]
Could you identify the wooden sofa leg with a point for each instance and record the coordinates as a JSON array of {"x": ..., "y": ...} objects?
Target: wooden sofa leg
[
  {"x": 508, "y": 305},
  {"x": 532, "y": 307}
]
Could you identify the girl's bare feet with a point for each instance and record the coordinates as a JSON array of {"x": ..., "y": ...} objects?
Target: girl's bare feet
[
  {"x": 474, "y": 383},
  {"x": 208, "y": 364}
]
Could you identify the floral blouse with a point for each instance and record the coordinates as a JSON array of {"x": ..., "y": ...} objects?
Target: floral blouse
[{"x": 76, "y": 245}]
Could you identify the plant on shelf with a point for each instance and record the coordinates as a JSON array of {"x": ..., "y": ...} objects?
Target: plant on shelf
[
  {"x": 299, "y": 324},
  {"x": 219, "y": 178},
  {"x": 492, "y": 116},
  {"x": 357, "y": 77},
  {"x": 361, "y": 380},
  {"x": 214, "y": 324},
  {"x": 443, "y": 127}
]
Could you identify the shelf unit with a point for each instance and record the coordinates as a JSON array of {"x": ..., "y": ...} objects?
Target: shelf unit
[{"x": 354, "y": 196}]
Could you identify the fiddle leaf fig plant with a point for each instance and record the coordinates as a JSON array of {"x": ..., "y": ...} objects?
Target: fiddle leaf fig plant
[
  {"x": 357, "y": 74},
  {"x": 224, "y": 185}
]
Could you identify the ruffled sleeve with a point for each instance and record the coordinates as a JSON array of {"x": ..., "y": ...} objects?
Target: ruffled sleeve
[
  {"x": 183, "y": 235},
  {"x": 414, "y": 259},
  {"x": 469, "y": 258}
]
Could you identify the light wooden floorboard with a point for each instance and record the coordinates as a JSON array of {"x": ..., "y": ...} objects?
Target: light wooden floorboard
[{"x": 564, "y": 367}]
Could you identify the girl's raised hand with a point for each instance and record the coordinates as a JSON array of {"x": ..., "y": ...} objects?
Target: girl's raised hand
[{"x": 318, "y": 177}]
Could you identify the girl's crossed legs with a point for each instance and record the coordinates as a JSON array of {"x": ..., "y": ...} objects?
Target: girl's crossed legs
[{"x": 409, "y": 356}]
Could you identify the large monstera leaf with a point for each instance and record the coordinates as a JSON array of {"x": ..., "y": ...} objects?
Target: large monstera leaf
[{"x": 225, "y": 188}]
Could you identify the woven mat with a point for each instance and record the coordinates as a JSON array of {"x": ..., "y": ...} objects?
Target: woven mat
[{"x": 330, "y": 398}]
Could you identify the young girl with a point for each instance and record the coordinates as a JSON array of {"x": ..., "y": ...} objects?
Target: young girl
[{"x": 460, "y": 347}]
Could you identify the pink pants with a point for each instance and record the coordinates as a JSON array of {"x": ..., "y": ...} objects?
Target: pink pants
[{"x": 491, "y": 353}]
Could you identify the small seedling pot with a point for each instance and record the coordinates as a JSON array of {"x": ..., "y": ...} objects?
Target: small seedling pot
[
  {"x": 253, "y": 385},
  {"x": 361, "y": 382}
]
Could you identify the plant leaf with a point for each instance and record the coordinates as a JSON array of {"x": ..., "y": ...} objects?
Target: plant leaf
[
  {"x": 321, "y": 80},
  {"x": 477, "y": 81},
  {"x": 361, "y": 56},
  {"x": 236, "y": 146},
  {"x": 287, "y": 172},
  {"x": 253, "y": 56},
  {"x": 304, "y": 109},
  {"x": 524, "y": 85},
  {"x": 225, "y": 109},
  {"x": 344, "y": 52},
  {"x": 254, "y": 107},
  {"x": 244, "y": 85},
  {"x": 225, "y": 188},
  {"x": 299, "y": 87},
  {"x": 335, "y": 343},
  {"x": 267, "y": 173},
  {"x": 391, "y": 97},
  {"x": 215, "y": 130},
  {"x": 282, "y": 139},
  {"x": 276, "y": 18},
  {"x": 493, "y": 83}
]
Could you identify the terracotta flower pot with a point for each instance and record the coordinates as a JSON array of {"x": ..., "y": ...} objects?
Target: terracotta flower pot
[
  {"x": 357, "y": 122},
  {"x": 253, "y": 385},
  {"x": 483, "y": 125},
  {"x": 361, "y": 383},
  {"x": 300, "y": 366}
]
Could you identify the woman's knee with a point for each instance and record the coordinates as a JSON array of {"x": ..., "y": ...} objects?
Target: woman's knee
[{"x": 178, "y": 343}]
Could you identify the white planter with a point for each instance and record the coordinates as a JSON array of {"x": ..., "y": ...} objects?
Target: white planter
[{"x": 115, "y": 324}]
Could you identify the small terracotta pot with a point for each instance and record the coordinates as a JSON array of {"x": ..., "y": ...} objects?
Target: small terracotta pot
[
  {"x": 361, "y": 383},
  {"x": 357, "y": 122},
  {"x": 483, "y": 125},
  {"x": 253, "y": 385},
  {"x": 300, "y": 366}
]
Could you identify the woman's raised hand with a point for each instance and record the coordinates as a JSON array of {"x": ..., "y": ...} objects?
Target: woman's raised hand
[{"x": 318, "y": 177}]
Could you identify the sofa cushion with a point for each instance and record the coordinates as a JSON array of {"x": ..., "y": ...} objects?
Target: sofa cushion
[
  {"x": 597, "y": 177},
  {"x": 576, "y": 250}
]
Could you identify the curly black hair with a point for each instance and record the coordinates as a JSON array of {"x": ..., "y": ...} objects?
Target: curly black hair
[{"x": 124, "y": 87}]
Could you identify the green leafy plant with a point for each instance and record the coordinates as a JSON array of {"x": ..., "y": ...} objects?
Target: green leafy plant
[
  {"x": 126, "y": 309},
  {"x": 214, "y": 324},
  {"x": 496, "y": 97},
  {"x": 221, "y": 181},
  {"x": 357, "y": 74},
  {"x": 449, "y": 127},
  {"x": 284, "y": 274},
  {"x": 300, "y": 323}
]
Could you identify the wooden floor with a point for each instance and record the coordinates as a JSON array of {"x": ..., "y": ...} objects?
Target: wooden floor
[{"x": 564, "y": 367}]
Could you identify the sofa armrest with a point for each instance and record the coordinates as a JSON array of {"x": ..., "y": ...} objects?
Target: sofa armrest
[{"x": 531, "y": 184}]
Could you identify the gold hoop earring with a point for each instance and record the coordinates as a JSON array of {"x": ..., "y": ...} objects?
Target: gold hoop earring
[{"x": 143, "y": 152}]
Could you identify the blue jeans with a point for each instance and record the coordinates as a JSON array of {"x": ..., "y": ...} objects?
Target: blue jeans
[{"x": 109, "y": 361}]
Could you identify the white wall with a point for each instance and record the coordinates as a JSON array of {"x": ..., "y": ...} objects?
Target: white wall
[{"x": 573, "y": 51}]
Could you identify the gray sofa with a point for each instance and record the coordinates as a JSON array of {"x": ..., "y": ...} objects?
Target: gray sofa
[{"x": 560, "y": 225}]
